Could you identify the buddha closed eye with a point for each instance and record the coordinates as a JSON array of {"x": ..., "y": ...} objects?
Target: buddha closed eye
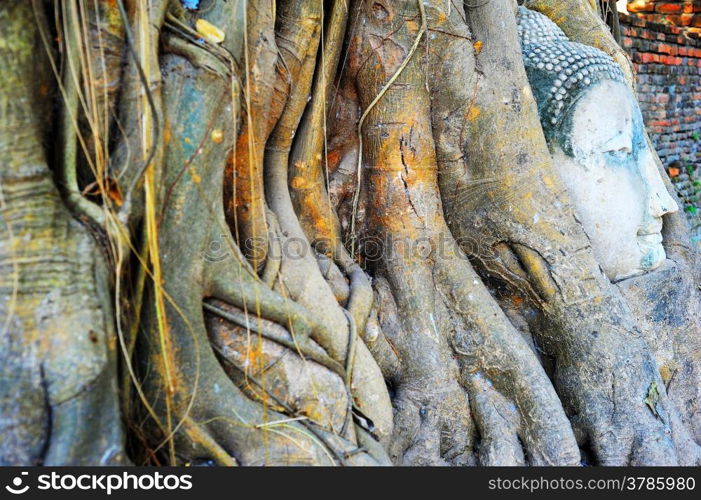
[{"x": 594, "y": 129}]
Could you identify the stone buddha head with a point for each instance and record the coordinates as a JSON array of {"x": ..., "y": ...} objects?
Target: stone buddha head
[{"x": 594, "y": 129}]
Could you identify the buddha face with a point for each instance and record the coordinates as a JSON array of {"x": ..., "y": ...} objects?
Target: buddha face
[{"x": 613, "y": 180}]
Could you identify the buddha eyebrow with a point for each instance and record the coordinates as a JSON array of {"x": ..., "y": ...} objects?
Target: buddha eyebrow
[{"x": 617, "y": 136}]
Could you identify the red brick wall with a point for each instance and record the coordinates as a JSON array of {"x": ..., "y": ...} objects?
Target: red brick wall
[
  {"x": 667, "y": 61},
  {"x": 678, "y": 12}
]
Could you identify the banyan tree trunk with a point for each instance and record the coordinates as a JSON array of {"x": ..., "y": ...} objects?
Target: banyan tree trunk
[
  {"x": 58, "y": 376},
  {"x": 304, "y": 232}
]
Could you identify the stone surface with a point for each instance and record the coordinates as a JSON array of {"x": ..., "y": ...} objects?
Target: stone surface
[{"x": 595, "y": 132}]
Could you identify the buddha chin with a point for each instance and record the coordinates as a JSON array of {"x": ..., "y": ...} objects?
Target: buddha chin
[{"x": 652, "y": 250}]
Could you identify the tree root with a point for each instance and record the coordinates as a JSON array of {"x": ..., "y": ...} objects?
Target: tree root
[
  {"x": 194, "y": 271},
  {"x": 300, "y": 276},
  {"x": 445, "y": 311},
  {"x": 199, "y": 438},
  {"x": 58, "y": 356},
  {"x": 257, "y": 335}
]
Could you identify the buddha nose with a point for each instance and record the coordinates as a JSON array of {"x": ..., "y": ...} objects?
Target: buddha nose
[{"x": 661, "y": 202}]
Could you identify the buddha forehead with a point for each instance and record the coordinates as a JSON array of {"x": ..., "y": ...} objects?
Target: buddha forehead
[{"x": 603, "y": 119}]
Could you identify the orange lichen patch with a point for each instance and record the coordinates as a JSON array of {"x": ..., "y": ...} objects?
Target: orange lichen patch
[
  {"x": 167, "y": 133},
  {"x": 254, "y": 358},
  {"x": 311, "y": 410},
  {"x": 473, "y": 113},
  {"x": 668, "y": 370},
  {"x": 319, "y": 215},
  {"x": 478, "y": 46},
  {"x": 195, "y": 176},
  {"x": 517, "y": 300},
  {"x": 418, "y": 165},
  {"x": 298, "y": 182},
  {"x": 112, "y": 191},
  {"x": 412, "y": 26},
  {"x": 217, "y": 136},
  {"x": 333, "y": 158},
  {"x": 315, "y": 210}
]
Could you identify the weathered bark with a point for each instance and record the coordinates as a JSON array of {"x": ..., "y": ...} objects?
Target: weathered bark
[
  {"x": 603, "y": 368},
  {"x": 320, "y": 233},
  {"x": 58, "y": 386},
  {"x": 454, "y": 316},
  {"x": 212, "y": 417}
]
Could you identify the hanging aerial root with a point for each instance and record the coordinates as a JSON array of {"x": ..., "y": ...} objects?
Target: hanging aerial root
[
  {"x": 137, "y": 147},
  {"x": 69, "y": 120}
]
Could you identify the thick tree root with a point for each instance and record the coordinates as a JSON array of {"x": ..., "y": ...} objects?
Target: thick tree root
[
  {"x": 604, "y": 370},
  {"x": 185, "y": 381},
  {"x": 666, "y": 304},
  {"x": 247, "y": 213},
  {"x": 300, "y": 277},
  {"x": 58, "y": 394},
  {"x": 263, "y": 339},
  {"x": 445, "y": 311}
]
